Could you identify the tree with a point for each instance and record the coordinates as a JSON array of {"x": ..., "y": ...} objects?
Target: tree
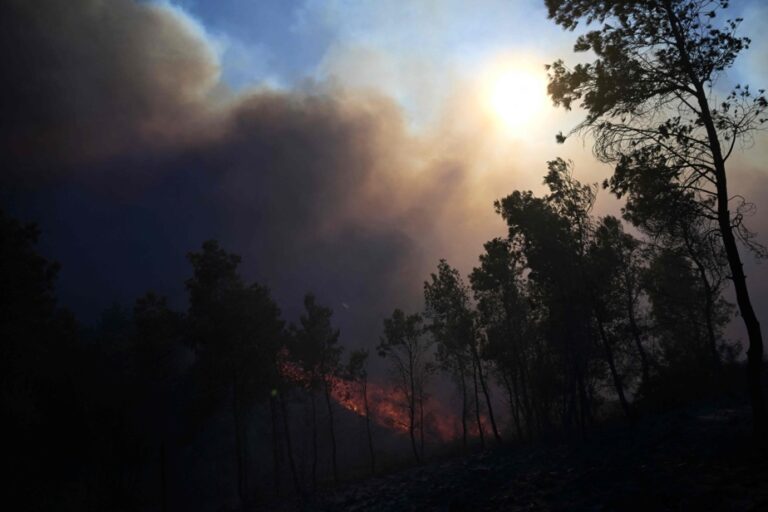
[
  {"x": 506, "y": 321},
  {"x": 682, "y": 320},
  {"x": 618, "y": 264},
  {"x": 316, "y": 347},
  {"x": 357, "y": 370},
  {"x": 236, "y": 332},
  {"x": 404, "y": 344},
  {"x": 552, "y": 232},
  {"x": 453, "y": 325},
  {"x": 158, "y": 335},
  {"x": 648, "y": 101}
]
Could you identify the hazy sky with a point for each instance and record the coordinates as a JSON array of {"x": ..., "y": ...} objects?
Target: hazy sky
[{"x": 338, "y": 146}]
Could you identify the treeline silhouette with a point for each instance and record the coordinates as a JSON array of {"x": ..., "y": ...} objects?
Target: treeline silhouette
[{"x": 566, "y": 320}]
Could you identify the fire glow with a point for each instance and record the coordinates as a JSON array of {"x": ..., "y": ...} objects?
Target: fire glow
[{"x": 388, "y": 406}]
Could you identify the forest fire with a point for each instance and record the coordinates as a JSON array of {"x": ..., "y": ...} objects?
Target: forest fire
[{"x": 387, "y": 405}]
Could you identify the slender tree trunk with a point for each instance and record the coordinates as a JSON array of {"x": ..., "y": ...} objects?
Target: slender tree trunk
[
  {"x": 275, "y": 444},
  {"x": 635, "y": 330},
  {"x": 163, "y": 478},
  {"x": 514, "y": 402},
  {"x": 368, "y": 426},
  {"x": 240, "y": 463},
  {"x": 614, "y": 372},
  {"x": 477, "y": 407},
  {"x": 521, "y": 373},
  {"x": 289, "y": 445},
  {"x": 709, "y": 295},
  {"x": 463, "y": 383},
  {"x": 755, "y": 350},
  {"x": 332, "y": 430},
  {"x": 484, "y": 387},
  {"x": 412, "y": 415},
  {"x": 421, "y": 421},
  {"x": 314, "y": 443}
]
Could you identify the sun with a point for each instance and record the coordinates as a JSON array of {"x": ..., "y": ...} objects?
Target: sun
[{"x": 516, "y": 96}]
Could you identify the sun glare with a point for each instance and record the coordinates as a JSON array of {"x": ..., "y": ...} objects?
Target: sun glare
[{"x": 516, "y": 96}]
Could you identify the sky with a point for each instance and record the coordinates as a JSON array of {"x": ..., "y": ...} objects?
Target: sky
[{"x": 340, "y": 146}]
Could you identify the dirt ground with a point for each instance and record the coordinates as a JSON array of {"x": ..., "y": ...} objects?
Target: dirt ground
[{"x": 697, "y": 459}]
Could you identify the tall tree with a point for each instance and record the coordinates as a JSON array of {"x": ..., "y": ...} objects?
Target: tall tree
[
  {"x": 235, "y": 330},
  {"x": 317, "y": 349},
  {"x": 617, "y": 264},
  {"x": 404, "y": 343},
  {"x": 505, "y": 317},
  {"x": 648, "y": 97},
  {"x": 357, "y": 370},
  {"x": 453, "y": 324},
  {"x": 158, "y": 336}
]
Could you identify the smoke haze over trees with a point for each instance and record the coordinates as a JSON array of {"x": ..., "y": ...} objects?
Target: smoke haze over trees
[{"x": 229, "y": 296}]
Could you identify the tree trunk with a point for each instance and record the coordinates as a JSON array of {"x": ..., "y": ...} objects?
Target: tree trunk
[
  {"x": 240, "y": 463},
  {"x": 477, "y": 407},
  {"x": 412, "y": 416},
  {"x": 314, "y": 443},
  {"x": 486, "y": 394},
  {"x": 421, "y": 421},
  {"x": 163, "y": 478},
  {"x": 289, "y": 446},
  {"x": 614, "y": 372},
  {"x": 275, "y": 444},
  {"x": 514, "y": 403},
  {"x": 332, "y": 430},
  {"x": 709, "y": 294},
  {"x": 463, "y": 383},
  {"x": 755, "y": 351},
  {"x": 635, "y": 330},
  {"x": 368, "y": 426}
]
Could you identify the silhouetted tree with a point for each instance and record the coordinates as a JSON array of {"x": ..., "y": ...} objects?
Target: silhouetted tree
[
  {"x": 649, "y": 102},
  {"x": 316, "y": 348},
  {"x": 357, "y": 370},
  {"x": 403, "y": 342},
  {"x": 506, "y": 320},
  {"x": 236, "y": 331},
  {"x": 677, "y": 304},
  {"x": 157, "y": 341},
  {"x": 453, "y": 325},
  {"x": 618, "y": 263},
  {"x": 552, "y": 233}
]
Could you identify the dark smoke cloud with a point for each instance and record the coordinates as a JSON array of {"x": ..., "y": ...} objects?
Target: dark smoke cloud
[
  {"x": 130, "y": 153},
  {"x": 120, "y": 140},
  {"x": 87, "y": 80}
]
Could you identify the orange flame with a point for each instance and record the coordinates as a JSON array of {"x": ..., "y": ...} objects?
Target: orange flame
[{"x": 387, "y": 405}]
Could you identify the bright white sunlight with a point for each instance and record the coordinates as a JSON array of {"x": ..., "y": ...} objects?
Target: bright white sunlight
[{"x": 515, "y": 95}]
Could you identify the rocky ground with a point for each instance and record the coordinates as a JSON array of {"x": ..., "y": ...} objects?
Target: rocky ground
[{"x": 697, "y": 459}]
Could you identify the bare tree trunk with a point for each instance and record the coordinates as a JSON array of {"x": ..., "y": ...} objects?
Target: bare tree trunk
[
  {"x": 614, "y": 372},
  {"x": 275, "y": 444},
  {"x": 240, "y": 462},
  {"x": 486, "y": 394},
  {"x": 463, "y": 383},
  {"x": 368, "y": 425},
  {"x": 514, "y": 402},
  {"x": 289, "y": 446},
  {"x": 412, "y": 416},
  {"x": 163, "y": 478},
  {"x": 332, "y": 430},
  {"x": 477, "y": 407},
  {"x": 755, "y": 351},
  {"x": 635, "y": 330},
  {"x": 421, "y": 421},
  {"x": 314, "y": 442},
  {"x": 709, "y": 294}
]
